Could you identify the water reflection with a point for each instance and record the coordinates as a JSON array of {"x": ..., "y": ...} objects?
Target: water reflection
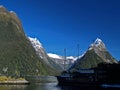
[
  {"x": 50, "y": 86},
  {"x": 13, "y": 87},
  {"x": 43, "y": 86},
  {"x": 79, "y": 88}
]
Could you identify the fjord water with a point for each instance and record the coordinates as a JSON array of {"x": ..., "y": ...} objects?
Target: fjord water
[{"x": 50, "y": 86}]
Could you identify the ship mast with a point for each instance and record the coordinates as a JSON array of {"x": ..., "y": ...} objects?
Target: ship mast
[
  {"x": 64, "y": 59},
  {"x": 78, "y": 50}
]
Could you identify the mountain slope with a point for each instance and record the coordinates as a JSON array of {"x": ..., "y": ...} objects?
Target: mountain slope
[
  {"x": 96, "y": 54},
  {"x": 99, "y": 48},
  {"x": 17, "y": 56},
  {"x": 60, "y": 60},
  {"x": 53, "y": 60},
  {"x": 40, "y": 51}
]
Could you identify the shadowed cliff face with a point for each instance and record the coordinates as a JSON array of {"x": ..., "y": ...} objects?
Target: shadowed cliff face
[
  {"x": 17, "y": 56},
  {"x": 96, "y": 53}
]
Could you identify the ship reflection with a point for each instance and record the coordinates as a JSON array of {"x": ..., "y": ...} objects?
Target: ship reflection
[{"x": 104, "y": 87}]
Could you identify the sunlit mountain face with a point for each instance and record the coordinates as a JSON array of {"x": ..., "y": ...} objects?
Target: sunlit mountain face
[
  {"x": 17, "y": 56},
  {"x": 96, "y": 54},
  {"x": 54, "y": 60}
]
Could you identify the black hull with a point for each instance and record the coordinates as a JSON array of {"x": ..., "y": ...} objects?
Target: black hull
[{"x": 71, "y": 82}]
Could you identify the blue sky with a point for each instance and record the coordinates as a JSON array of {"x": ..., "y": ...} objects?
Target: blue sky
[{"x": 60, "y": 24}]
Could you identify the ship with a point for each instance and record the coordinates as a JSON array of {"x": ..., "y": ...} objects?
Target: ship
[
  {"x": 79, "y": 77},
  {"x": 103, "y": 74},
  {"x": 82, "y": 77}
]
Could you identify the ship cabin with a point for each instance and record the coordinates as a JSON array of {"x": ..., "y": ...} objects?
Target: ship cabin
[{"x": 86, "y": 71}]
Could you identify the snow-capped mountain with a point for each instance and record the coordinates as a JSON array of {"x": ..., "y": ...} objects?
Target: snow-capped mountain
[
  {"x": 96, "y": 54},
  {"x": 17, "y": 56},
  {"x": 38, "y": 47},
  {"x": 61, "y": 60},
  {"x": 98, "y": 44},
  {"x": 43, "y": 54},
  {"x": 100, "y": 49},
  {"x": 41, "y": 51}
]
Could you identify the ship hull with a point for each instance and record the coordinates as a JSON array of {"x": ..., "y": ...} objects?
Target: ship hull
[{"x": 76, "y": 82}]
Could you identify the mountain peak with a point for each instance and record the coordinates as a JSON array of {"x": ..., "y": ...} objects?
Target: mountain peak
[
  {"x": 3, "y": 9},
  {"x": 95, "y": 55},
  {"x": 21, "y": 58},
  {"x": 98, "y": 43},
  {"x": 35, "y": 42}
]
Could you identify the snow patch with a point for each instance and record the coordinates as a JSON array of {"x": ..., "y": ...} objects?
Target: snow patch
[
  {"x": 13, "y": 12},
  {"x": 97, "y": 42},
  {"x": 35, "y": 42},
  {"x": 70, "y": 57},
  {"x": 54, "y": 56}
]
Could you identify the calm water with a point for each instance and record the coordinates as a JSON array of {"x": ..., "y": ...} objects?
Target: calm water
[{"x": 51, "y": 86}]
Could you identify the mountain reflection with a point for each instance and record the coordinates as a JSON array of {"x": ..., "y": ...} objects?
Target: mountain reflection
[
  {"x": 54, "y": 86},
  {"x": 13, "y": 87}
]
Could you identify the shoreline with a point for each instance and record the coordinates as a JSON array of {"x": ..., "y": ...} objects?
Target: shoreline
[{"x": 19, "y": 82}]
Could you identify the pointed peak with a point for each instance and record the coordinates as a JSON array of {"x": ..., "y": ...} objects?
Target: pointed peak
[
  {"x": 3, "y": 9},
  {"x": 35, "y": 42},
  {"x": 98, "y": 43},
  {"x": 98, "y": 40}
]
